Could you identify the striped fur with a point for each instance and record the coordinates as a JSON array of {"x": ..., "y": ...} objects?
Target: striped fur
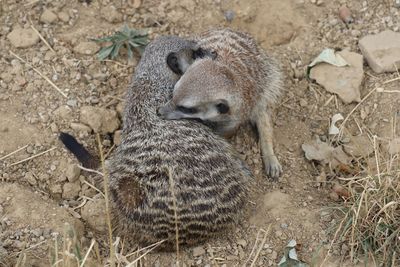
[{"x": 160, "y": 161}]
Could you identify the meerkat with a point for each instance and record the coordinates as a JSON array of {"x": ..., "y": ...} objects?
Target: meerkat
[
  {"x": 171, "y": 180},
  {"x": 239, "y": 82}
]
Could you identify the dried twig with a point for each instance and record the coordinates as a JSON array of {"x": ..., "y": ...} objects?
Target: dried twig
[
  {"x": 41, "y": 74},
  {"x": 32, "y": 157},
  {"x": 106, "y": 195},
  {"x": 41, "y": 37},
  {"x": 12, "y": 153}
]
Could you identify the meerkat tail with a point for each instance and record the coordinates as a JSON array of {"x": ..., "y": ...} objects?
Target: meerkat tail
[{"x": 79, "y": 151}]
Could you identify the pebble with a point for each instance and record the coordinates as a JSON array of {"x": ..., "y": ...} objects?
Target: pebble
[
  {"x": 62, "y": 112},
  {"x": 198, "y": 251},
  {"x": 72, "y": 172},
  {"x": 382, "y": 51},
  {"x": 48, "y": 17},
  {"x": 101, "y": 120},
  {"x": 345, "y": 15},
  {"x": 86, "y": 48},
  {"x": 71, "y": 190},
  {"x": 229, "y": 15},
  {"x": 94, "y": 213},
  {"x": 111, "y": 14},
  {"x": 80, "y": 127},
  {"x": 117, "y": 137},
  {"x": 63, "y": 16},
  {"x": 23, "y": 38}
]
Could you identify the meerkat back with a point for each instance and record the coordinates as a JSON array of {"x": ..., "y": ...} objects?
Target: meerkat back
[{"x": 172, "y": 180}]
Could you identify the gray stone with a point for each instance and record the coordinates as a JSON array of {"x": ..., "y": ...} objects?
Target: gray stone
[
  {"x": 23, "y": 38},
  {"x": 94, "y": 213},
  {"x": 48, "y": 16},
  {"x": 71, "y": 190},
  {"x": 111, "y": 14},
  {"x": 86, "y": 48},
  {"x": 72, "y": 172},
  {"x": 80, "y": 127},
  {"x": 382, "y": 51},
  {"x": 101, "y": 120},
  {"x": 359, "y": 146},
  {"x": 198, "y": 251},
  {"x": 343, "y": 81},
  {"x": 63, "y": 16}
]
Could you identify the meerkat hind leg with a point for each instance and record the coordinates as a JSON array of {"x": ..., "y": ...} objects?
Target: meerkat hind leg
[{"x": 265, "y": 131}]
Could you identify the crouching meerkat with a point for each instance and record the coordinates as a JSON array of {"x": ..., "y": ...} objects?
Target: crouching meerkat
[
  {"x": 236, "y": 82},
  {"x": 171, "y": 180}
]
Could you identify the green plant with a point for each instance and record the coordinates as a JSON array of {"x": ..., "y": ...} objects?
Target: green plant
[{"x": 131, "y": 39}]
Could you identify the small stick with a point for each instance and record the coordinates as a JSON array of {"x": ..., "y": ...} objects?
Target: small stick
[
  {"x": 329, "y": 100},
  {"x": 12, "y": 153},
  {"x": 355, "y": 108},
  {"x": 32, "y": 157},
  {"x": 392, "y": 80},
  {"x": 90, "y": 170},
  {"x": 87, "y": 253},
  {"x": 41, "y": 37},
  {"x": 144, "y": 254},
  {"x": 41, "y": 75},
  {"x": 261, "y": 246}
]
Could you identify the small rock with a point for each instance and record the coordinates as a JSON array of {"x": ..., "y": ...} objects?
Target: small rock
[
  {"x": 63, "y": 16},
  {"x": 111, "y": 14},
  {"x": 120, "y": 108},
  {"x": 62, "y": 113},
  {"x": 359, "y": 146},
  {"x": 94, "y": 213},
  {"x": 48, "y": 17},
  {"x": 30, "y": 178},
  {"x": 382, "y": 51},
  {"x": 86, "y": 48},
  {"x": 117, "y": 137},
  {"x": 71, "y": 190},
  {"x": 23, "y": 38},
  {"x": 229, "y": 15},
  {"x": 343, "y": 81},
  {"x": 101, "y": 120},
  {"x": 79, "y": 127},
  {"x": 72, "y": 172},
  {"x": 56, "y": 189},
  {"x": 303, "y": 102},
  {"x": 394, "y": 146},
  {"x": 198, "y": 251},
  {"x": 345, "y": 15}
]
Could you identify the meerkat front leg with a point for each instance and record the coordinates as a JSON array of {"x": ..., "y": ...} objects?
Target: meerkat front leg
[{"x": 265, "y": 129}]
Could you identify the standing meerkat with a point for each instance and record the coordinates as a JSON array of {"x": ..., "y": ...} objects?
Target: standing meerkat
[
  {"x": 239, "y": 82},
  {"x": 171, "y": 179}
]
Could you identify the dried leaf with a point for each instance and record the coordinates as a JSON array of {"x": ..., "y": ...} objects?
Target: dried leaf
[{"x": 333, "y": 130}]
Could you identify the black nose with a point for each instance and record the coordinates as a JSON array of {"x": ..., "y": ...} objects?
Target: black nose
[{"x": 158, "y": 112}]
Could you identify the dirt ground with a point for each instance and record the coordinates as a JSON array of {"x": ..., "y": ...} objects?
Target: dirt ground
[{"x": 38, "y": 196}]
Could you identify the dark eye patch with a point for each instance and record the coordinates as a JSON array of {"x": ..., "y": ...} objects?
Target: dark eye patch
[
  {"x": 186, "y": 110},
  {"x": 222, "y": 108}
]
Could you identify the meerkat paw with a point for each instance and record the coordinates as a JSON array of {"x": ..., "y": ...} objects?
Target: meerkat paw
[{"x": 272, "y": 167}]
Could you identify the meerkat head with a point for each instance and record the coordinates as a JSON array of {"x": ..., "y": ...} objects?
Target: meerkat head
[{"x": 205, "y": 92}]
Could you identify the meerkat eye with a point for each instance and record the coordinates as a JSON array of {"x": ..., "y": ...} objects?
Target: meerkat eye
[
  {"x": 222, "y": 108},
  {"x": 186, "y": 110}
]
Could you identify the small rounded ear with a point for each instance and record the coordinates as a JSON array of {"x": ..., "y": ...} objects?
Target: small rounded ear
[{"x": 173, "y": 63}]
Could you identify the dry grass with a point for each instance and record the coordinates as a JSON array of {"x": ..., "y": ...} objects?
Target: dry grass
[{"x": 370, "y": 225}]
